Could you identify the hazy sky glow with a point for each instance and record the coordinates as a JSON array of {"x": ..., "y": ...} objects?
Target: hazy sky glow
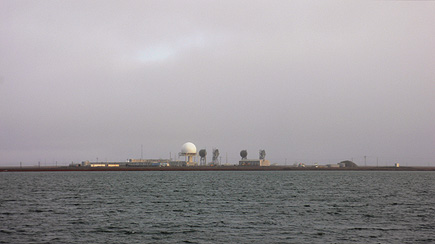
[{"x": 308, "y": 81}]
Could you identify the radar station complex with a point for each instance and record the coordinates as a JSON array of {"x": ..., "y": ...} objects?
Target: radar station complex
[{"x": 189, "y": 152}]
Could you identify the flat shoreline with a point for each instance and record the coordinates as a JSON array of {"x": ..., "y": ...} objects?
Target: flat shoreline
[{"x": 209, "y": 168}]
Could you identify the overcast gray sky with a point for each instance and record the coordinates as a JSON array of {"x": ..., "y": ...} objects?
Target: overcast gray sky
[{"x": 308, "y": 81}]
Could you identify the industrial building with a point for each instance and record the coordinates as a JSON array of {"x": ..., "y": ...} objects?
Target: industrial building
[
  {"x": 130, "y": 163},
  {"x": 254, "y": 162},
  {"x": 136, "y": 163}
]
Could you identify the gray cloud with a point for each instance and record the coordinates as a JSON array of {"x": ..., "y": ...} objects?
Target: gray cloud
[{"x": 307, "y": 81}]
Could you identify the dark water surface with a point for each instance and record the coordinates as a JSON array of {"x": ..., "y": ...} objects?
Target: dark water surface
[{"x": 217, "y": 207}]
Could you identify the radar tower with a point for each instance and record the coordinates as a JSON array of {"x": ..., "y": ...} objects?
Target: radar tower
[
  {"x": 262, "y": 154},
  {"x": 215, "y": 160},
  {"x": 243, "y": 154},
  {"x": 203, "y": 159}
]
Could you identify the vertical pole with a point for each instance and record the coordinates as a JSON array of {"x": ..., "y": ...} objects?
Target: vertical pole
[
  {"x": 141, "y": 152},
  {"x": 365, "y": 161}
]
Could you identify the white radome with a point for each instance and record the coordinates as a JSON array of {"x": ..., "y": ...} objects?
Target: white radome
[{"x": 189, "y": 148}]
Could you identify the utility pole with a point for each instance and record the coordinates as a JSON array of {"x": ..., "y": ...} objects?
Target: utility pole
[
  {"x": 141, "y": 152},
  {"x": 365, "y": 161}
]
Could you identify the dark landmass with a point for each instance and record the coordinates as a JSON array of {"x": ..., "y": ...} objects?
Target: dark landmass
[{"x": 215, "y": 168}]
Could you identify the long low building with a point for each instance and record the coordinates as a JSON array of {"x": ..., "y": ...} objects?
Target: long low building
[
  {"x": 254, "y": 162},
  {"x": 136, "y": 163}
]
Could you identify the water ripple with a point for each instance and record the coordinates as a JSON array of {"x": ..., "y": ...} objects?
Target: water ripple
[{"x": 217, "y": 207}]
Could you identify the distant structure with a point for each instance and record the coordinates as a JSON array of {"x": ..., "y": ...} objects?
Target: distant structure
[
  {"x": 262, "y": 154},
  {"x": 215, "y": 160},
  {"x": 348, "y": 164},
  {"x": 203, "y": 160},
  {"x": 253, "y": 162},
  {"x": 188, "y": 150},
  {"x": 133, "y": 163},
  {"x": 243, "y": 154}
]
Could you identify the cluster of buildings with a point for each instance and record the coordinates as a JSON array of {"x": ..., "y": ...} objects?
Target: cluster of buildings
[
  {"x": 343, "y": 164},
  {"x": 188, "y": 151}
]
